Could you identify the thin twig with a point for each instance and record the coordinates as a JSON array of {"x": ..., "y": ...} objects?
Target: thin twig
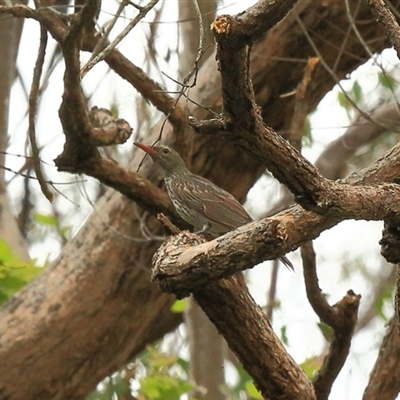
[
  {"x": 131, "y": 238},
  {"x": 364, "y": 44},
  {"x": 200, "y": 50},
  {"x": 333, "y": 74},
  {"x": 189, "y": 81},
  {"x": 103, "y": 54},
  {"x": 33, "y": 96},
  {"x": 102, "y": 43}
]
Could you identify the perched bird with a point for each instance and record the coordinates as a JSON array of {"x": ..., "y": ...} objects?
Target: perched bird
[{"x": 197, "y": 200}]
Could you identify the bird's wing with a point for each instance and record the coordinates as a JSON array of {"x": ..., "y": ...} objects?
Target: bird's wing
[{"x": 213, "y": 203}]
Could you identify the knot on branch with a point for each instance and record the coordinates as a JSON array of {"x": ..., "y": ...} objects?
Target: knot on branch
[
  {"x": 390, "y": 242},
  {"x": 209, "y": 126},
  {"x": 222, "y": 24},
  {"x": 168, "y": 262},
  {"x": 107, "y": 130},
  {"x": 347, "y": 311}
]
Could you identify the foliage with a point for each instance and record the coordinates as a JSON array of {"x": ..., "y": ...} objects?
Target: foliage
[
  {"x": 112, "y": 387},
  {"x": 51, "y": 222},
  {"x": 154, "y": 376},
  {"x": 166, "y": 376},
  {"x": 311, "y": 365},
  {"x": 14, "y": 273},
  {"x": 179, "y": 306}
]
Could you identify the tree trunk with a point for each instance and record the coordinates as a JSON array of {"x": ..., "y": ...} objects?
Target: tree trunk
[{"x": 10, "y": 34}]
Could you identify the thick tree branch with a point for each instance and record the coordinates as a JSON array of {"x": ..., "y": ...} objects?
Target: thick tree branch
[
  {"x": 397, "y": 298},
  {"x": 181, "y": 269},
  {"x": 231, "y": 308},
  {"x": 55, "y": 23},
  {"x": 250, "y": 25},
  {"x": 332, "y": 162},
  {"x": 388, "y": 22},
  {"x": 390, "y": 242},
  {"x": 73, "y": 111},
  {"x": 186, "y": 268},
  {"x": 242, "y": 118},
  {"x": 383, "y": 380},
  {"x": 106, "y": 129}
]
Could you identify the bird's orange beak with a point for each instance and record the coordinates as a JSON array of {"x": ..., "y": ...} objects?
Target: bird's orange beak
[{"x": 148, "y": 149}]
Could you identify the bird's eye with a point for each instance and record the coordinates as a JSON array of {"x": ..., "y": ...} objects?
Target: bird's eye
[{"x": 165, "y": 151}]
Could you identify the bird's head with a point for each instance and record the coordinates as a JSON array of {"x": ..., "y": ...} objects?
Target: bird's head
[{"x": 169, "y": 160}]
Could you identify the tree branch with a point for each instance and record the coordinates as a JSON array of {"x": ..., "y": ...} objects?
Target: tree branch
[
  {"x": 341, "y": 317},
  {"x": 250, "y": 25},
  {"x": 387, "y": 21},
  {"x": 33, "y": 96},
  {"x": 186, "y": 268},
  {"x": 383, "y": 381},
  {"x": 231, "y": 308}
]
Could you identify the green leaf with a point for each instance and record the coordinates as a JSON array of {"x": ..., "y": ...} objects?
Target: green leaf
[
  {"x": 183, "y": 364},
  {"x": 48, "y": 220},
  {"x": 51, "y": 222},
  {"x": 119, "y": 384},
  {"x": 387, "y": 81},
  {"x": 284, "y": 337},
  {"x": 357, "y": 92},
  {"x": 307, "y": 139},
  {"x": 344, "y": 101},
  {"x": 179, "y": 306},
  {"x": 384, "y": 298},
  {"x": 311, "y": 365},
  {"x": 326, "y": 331},
  {"x": 160, "y": 387},
  {"x": 252, "y": 391},
  {"x": 114, "y": 111},
  {"x": 14, "y": 273}
]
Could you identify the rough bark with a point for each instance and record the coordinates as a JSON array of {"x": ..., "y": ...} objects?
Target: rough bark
[
  {"x": 91, "y": 311},
  {"x": 275, "y": 373},
  {"x": 384, "y": 383}
]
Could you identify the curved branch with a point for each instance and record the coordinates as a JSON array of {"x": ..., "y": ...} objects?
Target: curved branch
[{"x": 341, "y": 317}]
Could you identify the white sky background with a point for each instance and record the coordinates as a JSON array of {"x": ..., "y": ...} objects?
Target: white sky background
[{"x": 355, "y": 242}]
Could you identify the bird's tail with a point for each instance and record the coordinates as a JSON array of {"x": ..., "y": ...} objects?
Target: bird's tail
[{"x": 286, "y": 261}]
